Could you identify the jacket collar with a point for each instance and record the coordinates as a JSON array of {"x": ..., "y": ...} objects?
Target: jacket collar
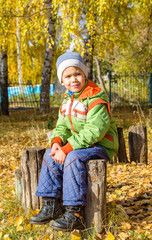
[{"x": 89, "y": 89}]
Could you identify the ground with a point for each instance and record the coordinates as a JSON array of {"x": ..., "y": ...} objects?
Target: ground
[{"x": 129, "y": 186}]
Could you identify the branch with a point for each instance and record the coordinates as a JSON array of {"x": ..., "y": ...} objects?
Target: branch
[{"x": 99, "y": 75}]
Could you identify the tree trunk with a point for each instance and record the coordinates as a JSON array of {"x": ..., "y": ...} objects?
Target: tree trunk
[
  {"x": 138, "y": 149},
  {"x": 88, "y": 60},
  {"x": 99, "y": 75},
  {"x": 48, "y": 61},
  {"x": 4, "y": 83},
  {"x": 19, "y": 54}
]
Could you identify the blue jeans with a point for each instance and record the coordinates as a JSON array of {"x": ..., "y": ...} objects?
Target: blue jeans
[{"x": 70, "y": 177}]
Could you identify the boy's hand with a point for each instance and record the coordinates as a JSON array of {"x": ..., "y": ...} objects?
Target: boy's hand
[
  {"x": 55, "y": 147},
  {"x": 59, "y": 157}
]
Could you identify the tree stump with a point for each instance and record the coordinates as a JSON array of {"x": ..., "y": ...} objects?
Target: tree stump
[
  {"x": 31, "y": 162},
  {"x": 95, "y": 211},
  {"x": 122, "y": 155},
  {"x": 138, "y": 149}
]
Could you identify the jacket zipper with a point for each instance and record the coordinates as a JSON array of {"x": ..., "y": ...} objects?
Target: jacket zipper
[{"x": 70, "y": 110}]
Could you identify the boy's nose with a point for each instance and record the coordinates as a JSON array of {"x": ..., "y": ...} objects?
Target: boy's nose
[{"x": 74, "y": 78}]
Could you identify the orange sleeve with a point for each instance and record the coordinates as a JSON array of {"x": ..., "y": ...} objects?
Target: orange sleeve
[
  {"x": 57, "y": 140},
  {"x": 67, "y": 148}
]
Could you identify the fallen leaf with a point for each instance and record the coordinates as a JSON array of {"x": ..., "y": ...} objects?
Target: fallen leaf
[
  {"x": 19, "y": 220},
  {"x": 51, "y": 236},
  {"x": 19, "y": 228},
  {"x": 60, "y": 233},
  {"x": 126, "y": 226},
  {"x": 75, "y": 236},
  {"x": 110, "y": 236},
  {"x": 123, "y": 235},
  {"x": 6, "y": 237},
  {"x": 28, "y": 227}
]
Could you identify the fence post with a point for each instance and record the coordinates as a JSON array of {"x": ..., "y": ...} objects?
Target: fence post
[
  {"x": 109, "y": 86},
  {"x": 151, "y": 88}
]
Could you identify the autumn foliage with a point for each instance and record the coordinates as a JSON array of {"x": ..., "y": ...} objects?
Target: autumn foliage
[{"x": 129, "y": 186}]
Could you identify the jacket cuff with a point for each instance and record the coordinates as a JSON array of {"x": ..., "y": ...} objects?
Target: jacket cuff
[
  {"x": 67, "y": 148},
  {"x": 57, "y": 140}
]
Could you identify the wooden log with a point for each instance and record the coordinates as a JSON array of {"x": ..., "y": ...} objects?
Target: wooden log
[
  {"x": 122, "y": 155},
  {"x": 95, "y": 211},
  {"x": 18, "y": 185},
  {"x": 31, "y": 162},
  {"x": 138, "y": 149}
]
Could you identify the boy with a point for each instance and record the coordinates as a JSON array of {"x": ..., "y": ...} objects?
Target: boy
[{"x": 84, "y": 131}]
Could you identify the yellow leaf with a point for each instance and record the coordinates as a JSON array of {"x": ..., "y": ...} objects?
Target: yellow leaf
[
  {"x": 19, "y": 220},
  {"x": 126, "y": 226},
  {"x": 110, "y": 236},
  {"x": 28, "y": 227},
  {"x": 51, "y": 236},
  {"x": 46, "y": 237},
  {"x": 60, "y": 233},
  {"x": 114, "y": 196},
  {"x": 118, "y": 191},
  {"x": 1, "y": 233},
  {"x": 123, "y": 235},
  {"x": 1, "y": 210},
  {"x": 6, "y": 237},
  {"x": 19, "y": 228},
  {"x": 30, "y": 238},
  {"x": 10, "y": 220},
  {"x": 75, "y": 236}
]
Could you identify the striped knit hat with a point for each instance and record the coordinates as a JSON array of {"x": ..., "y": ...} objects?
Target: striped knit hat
[{"x": 70, "y": 59}]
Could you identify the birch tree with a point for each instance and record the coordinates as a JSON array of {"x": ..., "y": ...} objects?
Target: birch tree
[{"x": 48, "y": 60}]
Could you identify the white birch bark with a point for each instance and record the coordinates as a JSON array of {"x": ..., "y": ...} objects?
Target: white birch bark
[
  {"x": 48, "y": 61},
  {"x": 19, "y": 54}
]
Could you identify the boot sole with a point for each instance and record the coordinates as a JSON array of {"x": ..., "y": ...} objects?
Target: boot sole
[
  {"x": 47, "y": 221},
  {"x": 79, "y": 227},
  {"x": 40, "y": 223}
]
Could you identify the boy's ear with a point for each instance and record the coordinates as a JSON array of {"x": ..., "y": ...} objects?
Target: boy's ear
[{"x": 62, "y": 84}]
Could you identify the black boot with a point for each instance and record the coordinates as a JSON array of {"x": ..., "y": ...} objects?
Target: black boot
[
  {"x": 72, "y": 219},
  {"x": 51, "y": 209}
]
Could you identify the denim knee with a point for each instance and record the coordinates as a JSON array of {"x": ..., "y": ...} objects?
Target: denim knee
[{"x": 71, "y": 157}]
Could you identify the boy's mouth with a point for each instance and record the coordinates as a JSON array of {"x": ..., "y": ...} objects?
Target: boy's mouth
[{"x": 76, "y": 85}]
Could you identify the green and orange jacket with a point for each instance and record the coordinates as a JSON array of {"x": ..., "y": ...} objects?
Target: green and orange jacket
[{"x": 84, "y": 120}]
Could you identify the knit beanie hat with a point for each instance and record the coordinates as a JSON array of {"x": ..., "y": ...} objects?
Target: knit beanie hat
[{"x": 70, "y": 59}]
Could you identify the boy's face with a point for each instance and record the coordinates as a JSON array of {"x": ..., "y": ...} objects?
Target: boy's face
[{"x": 73, "y": 79}]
